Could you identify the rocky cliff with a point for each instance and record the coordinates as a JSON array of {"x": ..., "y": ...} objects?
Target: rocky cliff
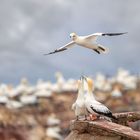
[{"x": 105, "y": 130}]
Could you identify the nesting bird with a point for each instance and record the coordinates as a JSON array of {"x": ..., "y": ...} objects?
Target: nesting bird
[
  {"x": 79, "y": 105},
  {"x": 92, "y": 105},
  {"x": 88, "y": 41}
]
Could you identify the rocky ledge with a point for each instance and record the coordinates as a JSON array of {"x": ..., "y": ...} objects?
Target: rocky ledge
[{"x": 105, "y": 130}]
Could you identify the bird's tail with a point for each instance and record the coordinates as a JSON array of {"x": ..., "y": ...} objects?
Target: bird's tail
[
  {"x": 113, "y": 117},
  {"x": 102, "y": 49}
]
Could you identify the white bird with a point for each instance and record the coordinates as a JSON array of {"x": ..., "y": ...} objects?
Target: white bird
[
  {"x": 52, "y": 120},
  {"x": 79, "y": 105},
  {"x": 13, "y": 104},
  {"x": 92, "y": 105},
  {"x": 28, "y": 99},
  {"x": 54, "y": 132},
  {"x": 88, "y": 41}
]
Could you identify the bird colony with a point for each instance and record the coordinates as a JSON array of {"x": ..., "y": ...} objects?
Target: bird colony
[{"x": 26, "y": 94}]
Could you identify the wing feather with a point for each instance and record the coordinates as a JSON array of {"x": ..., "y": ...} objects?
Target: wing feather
[
  {"x": 100, "y": 109},
  {"x": 96, "y": 35},
  {"x": 65, "y": 47},
  {"x": 103, "y": 110},
  {"x": 93, "y": 36}
]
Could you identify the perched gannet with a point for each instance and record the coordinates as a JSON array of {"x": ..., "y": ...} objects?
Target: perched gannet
[
  {"x": 116, "y": 92},
  {"x": 79, "y": 105},
  {"x": 44, "y": 93},
  {"x": 88, "y": 41},
  {"x": 28, "y": 99},
  {"x": 13, "y": 104},
  {"x": 94, "y": 107}
]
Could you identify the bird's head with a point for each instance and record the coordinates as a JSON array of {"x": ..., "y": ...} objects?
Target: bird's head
[
  {"x": 73, "y": 36},
  {"x": 81, "y": 84},
  {"x": 90, "y": 84}
]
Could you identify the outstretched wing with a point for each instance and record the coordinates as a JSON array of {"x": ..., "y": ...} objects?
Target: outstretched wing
[
  {"x": 69, "y": 45},
  {"x": 96, "y": 35}
]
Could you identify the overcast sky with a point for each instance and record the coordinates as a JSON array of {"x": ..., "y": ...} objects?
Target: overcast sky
[{"x": 30, "y": 28}]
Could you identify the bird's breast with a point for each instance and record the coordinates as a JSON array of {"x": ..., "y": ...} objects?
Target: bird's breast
[
  {"x": 85, "y": 43},
  {"x": 80, "y": 41}
]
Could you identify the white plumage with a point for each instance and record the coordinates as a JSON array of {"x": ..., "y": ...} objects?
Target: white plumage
[
  {"x": 53, "y": 132},
  {"x": 92, "y": 105},
  {"x": 88, "y": 41},
  {"x": 79, "y": 105}
]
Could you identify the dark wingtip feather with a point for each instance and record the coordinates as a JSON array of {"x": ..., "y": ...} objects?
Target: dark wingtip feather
[
  {"x": 113, "y": 34},
  {"x": 60, "y": 50},
  {"x": 107, "y": 114},
  {"x": 48, "y": 53},
  {"x": 113, "y": 117}
]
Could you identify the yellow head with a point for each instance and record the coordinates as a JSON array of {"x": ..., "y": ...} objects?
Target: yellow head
[
  {"x": 73, "y": 35},
  {"x": 90, "y": 84}
]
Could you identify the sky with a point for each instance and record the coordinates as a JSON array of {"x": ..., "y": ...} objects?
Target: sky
[{"x": 30, "y": 28}]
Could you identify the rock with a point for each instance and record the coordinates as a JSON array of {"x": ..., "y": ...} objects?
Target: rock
[{"x": 100, "y": 130}]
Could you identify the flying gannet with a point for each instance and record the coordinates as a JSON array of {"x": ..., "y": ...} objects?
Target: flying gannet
[
  {"x": 88, "y": 41},
  {"x": 79, "y": 105},
  {"x": 93, "y": 106}
]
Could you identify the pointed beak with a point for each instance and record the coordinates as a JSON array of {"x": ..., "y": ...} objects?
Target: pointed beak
[{"x": 83, "y": 78}]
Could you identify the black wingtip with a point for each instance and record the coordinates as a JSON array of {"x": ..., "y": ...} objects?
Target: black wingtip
[
  {"x": 56, "y": 51},
  {"x": 113, "y": 34},
  {"x": 113, "y": 117},
  {"x": 47, "y": 54},
  {"x": 51, "y": 52}
]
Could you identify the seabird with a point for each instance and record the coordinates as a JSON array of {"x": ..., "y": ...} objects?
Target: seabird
[
  {"x": 79, "y": 105},
  {"x": 88, "y": 41},
  {"x": 93, "y": 106}
]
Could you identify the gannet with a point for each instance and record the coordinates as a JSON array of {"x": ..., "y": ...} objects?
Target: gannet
[
  {"x": 92, "y": 105},
  {"x": 88, "y": 41},
  {"x": 28, "y": 99},
  {"x": 79, "y": 105}
]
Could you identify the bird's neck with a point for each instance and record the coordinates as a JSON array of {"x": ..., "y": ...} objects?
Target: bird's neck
[
  {"x": 90, "y": 95},
  {"x": 80, "y": 94}
]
